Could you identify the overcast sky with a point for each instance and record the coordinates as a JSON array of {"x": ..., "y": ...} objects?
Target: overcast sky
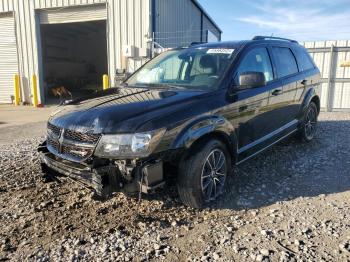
[{"x": 300, "y": 19}]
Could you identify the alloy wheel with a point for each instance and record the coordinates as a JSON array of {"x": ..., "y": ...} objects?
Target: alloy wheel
[
  {"x": 310, "y": 123},
  {"x": 214, "y": 174}
]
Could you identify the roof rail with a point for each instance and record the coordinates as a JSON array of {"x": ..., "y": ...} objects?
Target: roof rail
[
  {"x": 259, "y": 37},
  {"x": 197, "y": 43}
]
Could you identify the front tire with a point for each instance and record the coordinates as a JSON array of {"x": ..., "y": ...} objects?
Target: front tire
[
  {"x": 202, "y": 173},
  {"x": 308, "y": 128}
]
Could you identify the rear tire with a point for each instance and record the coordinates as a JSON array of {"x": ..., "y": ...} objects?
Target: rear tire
[
  {"x": 308, "y": 127},
  {"x": 202, "y": 173}
]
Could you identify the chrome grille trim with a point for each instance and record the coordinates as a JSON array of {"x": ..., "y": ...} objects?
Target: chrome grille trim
[
  {"x": 71, "y": 145},
  {"x": 53, "y": 130},
  {"x": 78, "y": 144},
  {"x": 52, "y": 143},
  {"x": 82, "y": 137}
]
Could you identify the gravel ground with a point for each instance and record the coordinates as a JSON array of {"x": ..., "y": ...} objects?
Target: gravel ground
[{"x": 292, "y": 203}]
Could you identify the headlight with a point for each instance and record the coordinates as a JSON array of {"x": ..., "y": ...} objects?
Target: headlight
[{"x": 129, "y": 145}]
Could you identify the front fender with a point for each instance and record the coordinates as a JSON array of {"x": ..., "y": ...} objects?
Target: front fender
[{"x": 202, "y": 126}]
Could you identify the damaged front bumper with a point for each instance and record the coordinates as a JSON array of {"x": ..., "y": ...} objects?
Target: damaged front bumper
[{"x": 106, "y": 176}]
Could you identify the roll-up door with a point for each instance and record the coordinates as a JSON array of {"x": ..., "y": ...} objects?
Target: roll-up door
[
  {"x": 73, "y": 14},
  {"x": 8, "y": 57}
]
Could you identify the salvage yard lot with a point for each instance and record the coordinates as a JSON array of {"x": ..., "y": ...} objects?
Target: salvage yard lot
[{"x": 292, "y": 203}]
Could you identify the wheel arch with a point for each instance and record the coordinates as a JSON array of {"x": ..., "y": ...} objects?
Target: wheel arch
[
  {"x": 310, "y": 96},
  {"x": 204, "y": 129},
  {"x": 317, "y": 102}
]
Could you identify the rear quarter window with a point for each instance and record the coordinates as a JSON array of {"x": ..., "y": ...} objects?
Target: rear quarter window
[
  {"x": 304, "y": 60},
  {"x": 285, "y": 61}
]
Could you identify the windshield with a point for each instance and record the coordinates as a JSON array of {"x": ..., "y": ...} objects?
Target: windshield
[{"x": 193, "y": 68}]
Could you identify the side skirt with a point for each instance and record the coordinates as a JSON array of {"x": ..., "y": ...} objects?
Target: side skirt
[{"x": 257, "y": 146}]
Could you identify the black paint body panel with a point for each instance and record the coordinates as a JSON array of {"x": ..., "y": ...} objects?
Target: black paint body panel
[{"x": 241, "y": 117}]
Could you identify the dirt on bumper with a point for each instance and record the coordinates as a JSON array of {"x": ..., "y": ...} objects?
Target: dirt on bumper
[{"x": 104, "y": 180}]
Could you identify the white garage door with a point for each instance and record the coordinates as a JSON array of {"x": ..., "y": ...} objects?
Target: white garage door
[
  {"x": 74, "y": 14},
  {"x": 8, "y": 57}
]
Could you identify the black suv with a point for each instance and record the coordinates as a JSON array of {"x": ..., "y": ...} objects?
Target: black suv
[{"x": 197, "y": 110}]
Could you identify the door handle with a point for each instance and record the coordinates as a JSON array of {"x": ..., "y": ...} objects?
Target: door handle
[
  {"x": 304, "y": 82},
  {"x": 276, "y": 92}
]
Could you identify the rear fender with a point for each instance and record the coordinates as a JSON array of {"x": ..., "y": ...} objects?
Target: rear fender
[{"x": 307, "y": 99}]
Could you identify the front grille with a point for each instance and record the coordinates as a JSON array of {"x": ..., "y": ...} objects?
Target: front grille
[
  {"x": 73, "y": 146},
  {"x": 54, "y": 129},
  {"x": 52, "y": 143},
  {"x": 82, "y": 137}
]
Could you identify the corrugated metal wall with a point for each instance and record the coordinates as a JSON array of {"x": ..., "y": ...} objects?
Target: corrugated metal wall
[
  {"x": 128, "y": 24},
  {"x": 73, "y": 14},
  {"x": 6, "y": 6},
  {"x": 27, "y": 44},
  {"x": 207, "y": 25},
  {"x": 9, "y": 58},
  {"x": 39, "y": 4},
  {"x": 179, "y": 23},
  {"x": 329, "y": 55},
  {"x": 172, "y": 31}
]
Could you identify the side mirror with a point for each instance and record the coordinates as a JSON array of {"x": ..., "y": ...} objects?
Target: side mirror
[{"x": 251, "y": 80}]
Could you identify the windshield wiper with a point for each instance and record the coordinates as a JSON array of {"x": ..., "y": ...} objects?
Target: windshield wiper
[
  {"x": 161, "y": 86},
  {"x": 157, "y": 85},
  {"x": 124, "y": 84},
  {"x": 176, "y": 86}
]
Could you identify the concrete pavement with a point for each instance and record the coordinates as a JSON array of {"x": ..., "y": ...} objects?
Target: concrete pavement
[
  {"x": 18, "y": 115},
  {"x": 22, "y": 122}
]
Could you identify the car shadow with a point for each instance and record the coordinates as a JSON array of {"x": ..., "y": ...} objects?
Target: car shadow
[
  {"x": 293, "y": 169},
  {"x": 288, "y": 170}
]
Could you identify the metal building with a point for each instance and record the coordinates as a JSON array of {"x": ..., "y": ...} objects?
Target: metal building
[
  {"x": 74, "y": 42},
  {"x": 333, "y": 60}
]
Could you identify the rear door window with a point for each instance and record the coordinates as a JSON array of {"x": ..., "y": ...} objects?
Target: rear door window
[
  {"x": 285, "y": 61},
  {"x": 304, "y": 59}
]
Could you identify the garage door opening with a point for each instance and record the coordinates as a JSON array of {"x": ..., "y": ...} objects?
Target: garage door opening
[{"x": 74, "y": 56}]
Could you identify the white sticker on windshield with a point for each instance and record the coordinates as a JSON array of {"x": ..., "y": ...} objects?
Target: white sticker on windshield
[{"x": 220, "y": 51}]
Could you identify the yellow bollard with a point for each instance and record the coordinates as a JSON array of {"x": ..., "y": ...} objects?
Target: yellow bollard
[
  {"x": 35, "y": 91},
  {"x": 105, "y": 81},
  {"x": 17, "y": 89}
]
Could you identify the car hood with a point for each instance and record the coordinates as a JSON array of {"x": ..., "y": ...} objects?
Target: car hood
[{"x": 121, "y": 109}]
